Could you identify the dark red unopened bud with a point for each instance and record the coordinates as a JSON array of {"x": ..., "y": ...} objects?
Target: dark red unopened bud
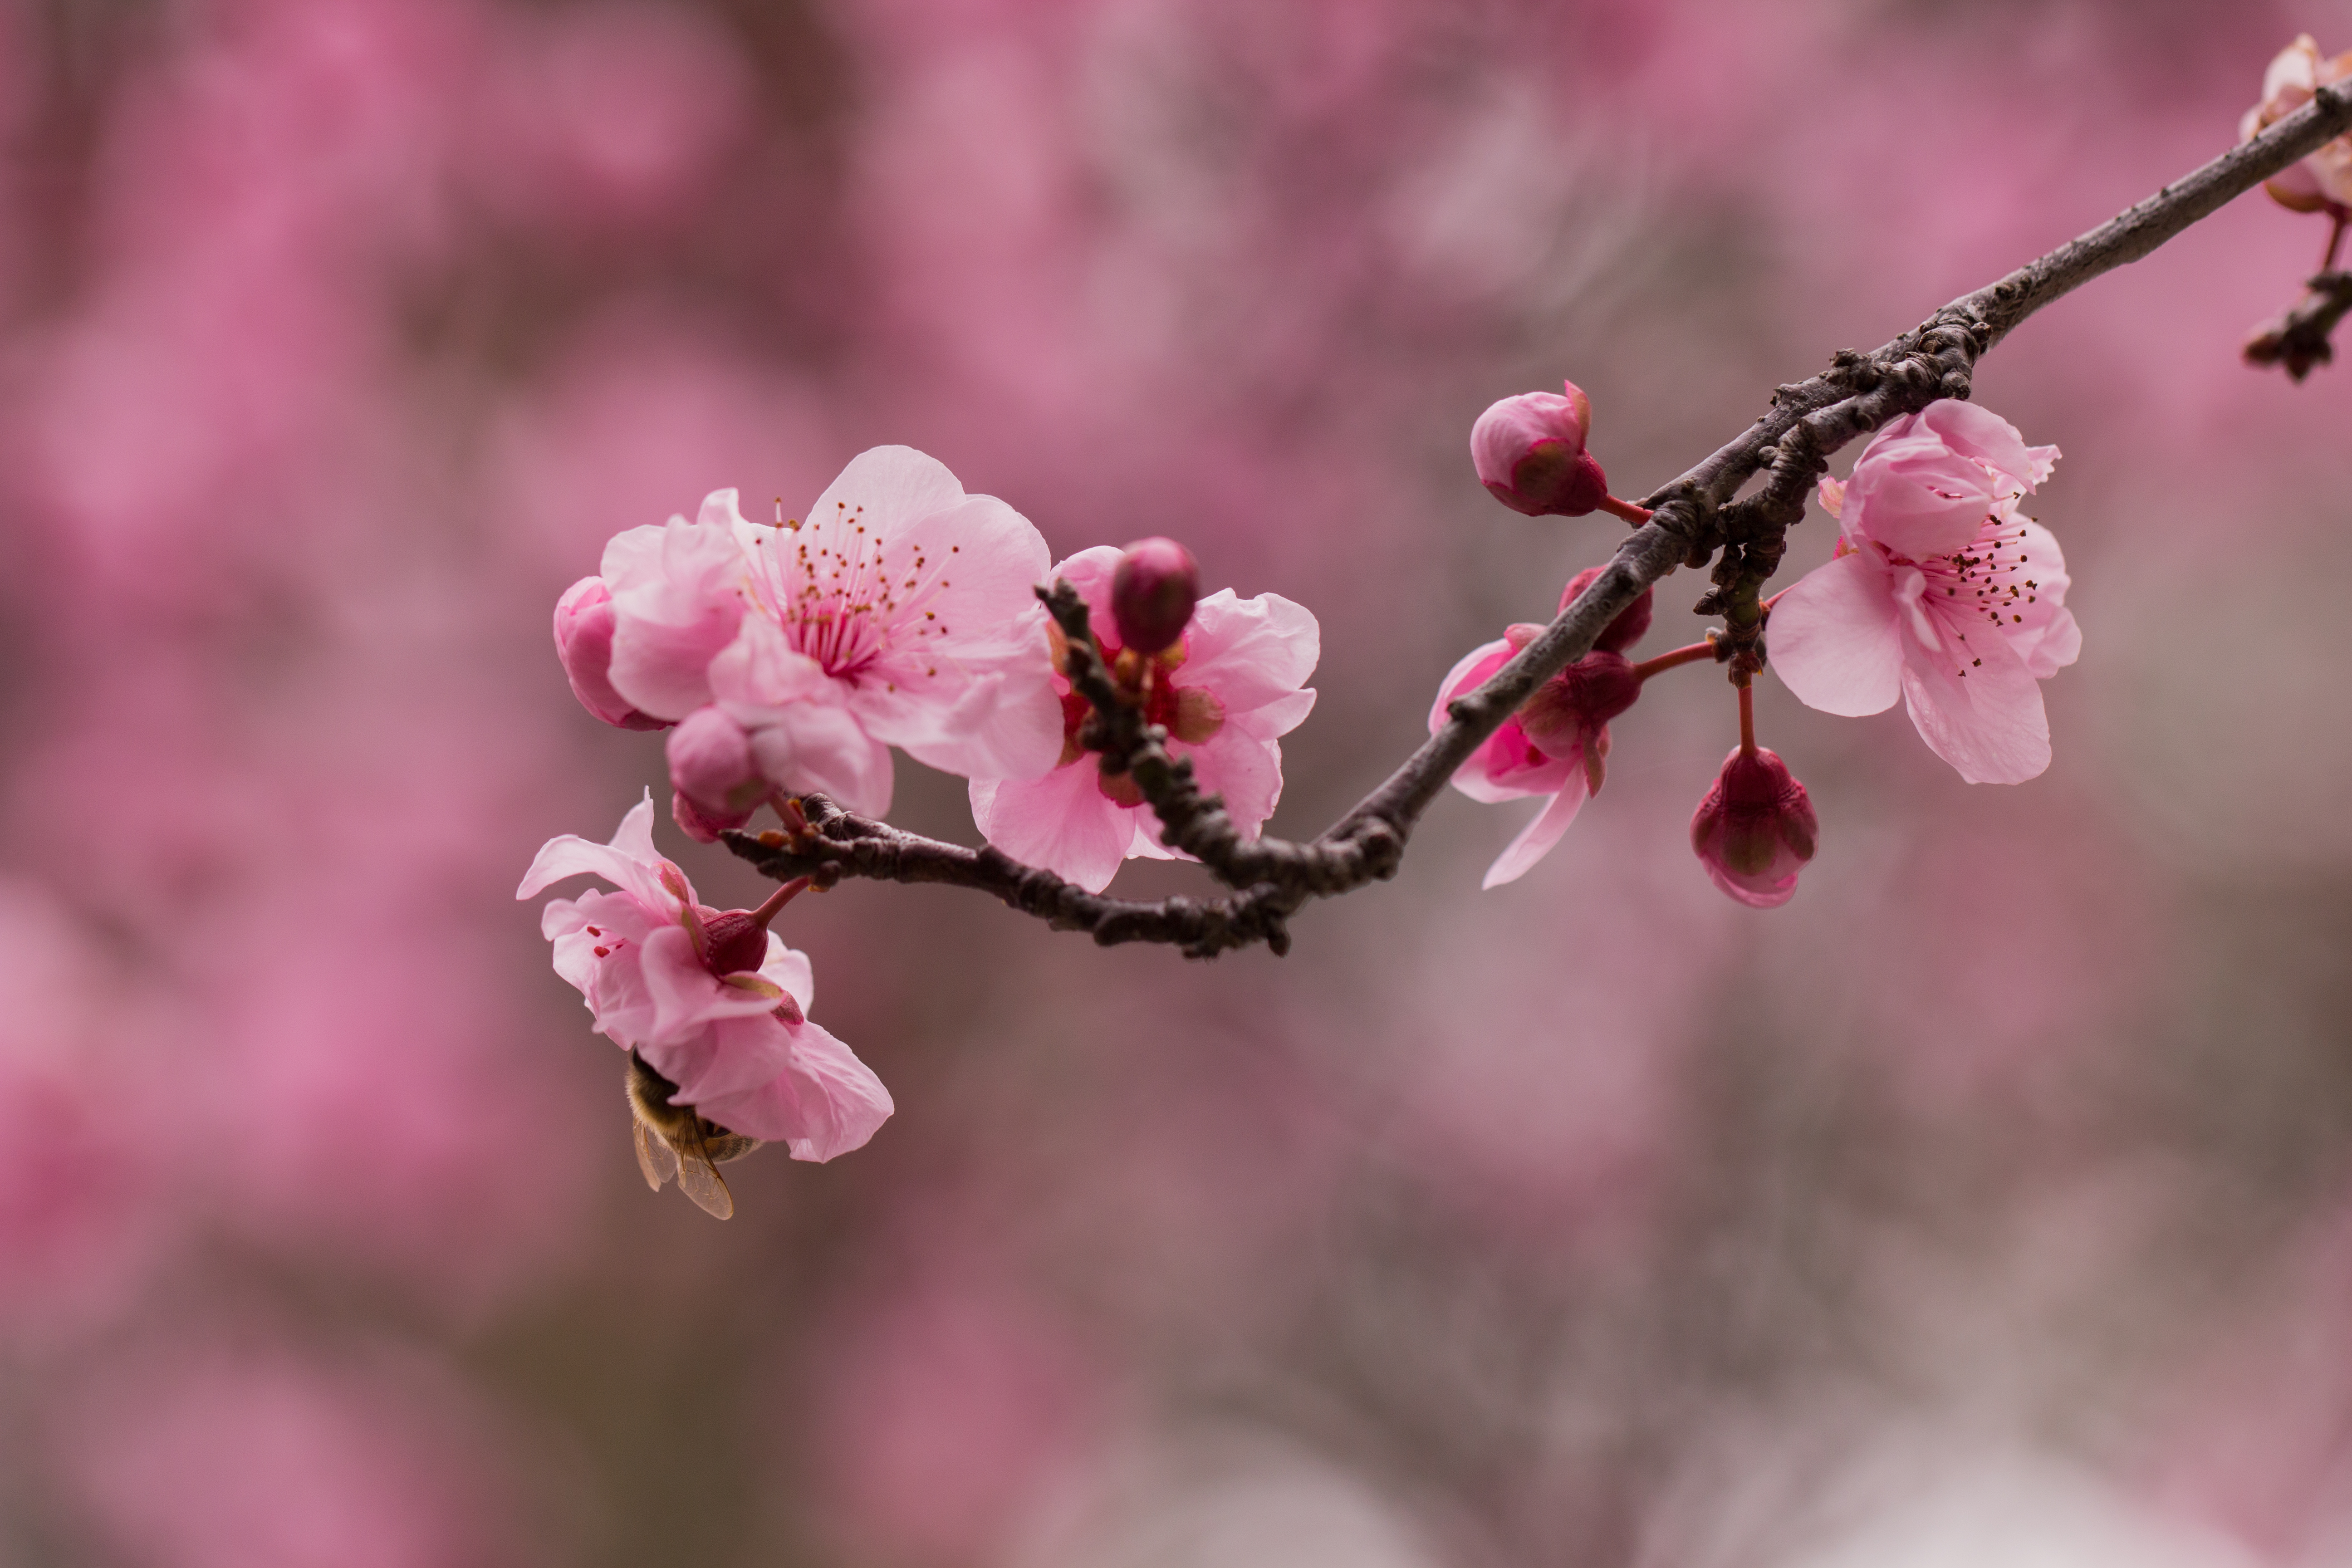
[
  {"x": 1529, "y": 453},
  {"x": 1755, "y": 830},
  {"x": 738, "y": 940},
  {"x": 1152, "y": 595},
  {"x": 1631, "y": 622},
  {"x": 583, "y": 641},
  {"x": 1567, "y": 718}
]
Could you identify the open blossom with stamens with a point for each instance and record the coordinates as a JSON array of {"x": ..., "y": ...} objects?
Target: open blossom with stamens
[
  {"x": 2295, "y": 75},
  {"x": 1939, "y": 594},
  {"x": 900, "y": 613},
  {"x": 1226, "y": 692},
  {"x": 715, "y": 1003},
  {"x": 1556, "y": 744}
]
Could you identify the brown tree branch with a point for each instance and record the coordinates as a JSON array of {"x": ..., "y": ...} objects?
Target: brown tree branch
[
  {"x": 1694, "y": 516},
  {"x": 2299, "y": 337}
]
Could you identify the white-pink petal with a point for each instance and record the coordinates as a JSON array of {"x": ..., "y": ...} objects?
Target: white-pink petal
[
  {"x": 1834, "y": 637},
  {"x": 826, "y": 1102},
  {"x": 1062, "y": 822},
  {"x": 629, "y": 861},
  {"x": 1988, "y": 723},
  {"x": 1535, "y": 840},
  {"x": 677, "y": 601}
]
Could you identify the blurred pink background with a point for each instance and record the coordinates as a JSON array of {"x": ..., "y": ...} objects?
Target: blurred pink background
[{"x": 1991, "y": 1202}]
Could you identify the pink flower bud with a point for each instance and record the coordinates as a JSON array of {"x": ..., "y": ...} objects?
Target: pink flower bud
[
  {"x": 1755, "y": 829},
  {"x": 1626, "y": 629},
  {"x": 1529, "y": 453},
  {"x": 1566, "y": 719},
  {"x": 711, "y": 765},
  {"x": 698, "y": 826},
  {"x": 583, "y": 641},
  {"x": 1153, "y": 593}
]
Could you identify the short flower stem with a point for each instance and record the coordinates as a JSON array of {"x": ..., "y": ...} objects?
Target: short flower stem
[
  {"x": 2341, "y": 214},
  {"x": 1666, "y": 661},
  {"x": 1747, "y": 720},
  {"x": 778, "y": 899},
  {"x": 1635, "y": 515}
]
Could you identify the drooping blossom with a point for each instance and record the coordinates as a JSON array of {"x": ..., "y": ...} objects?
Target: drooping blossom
[
  {"x": 1939, "y": 592},
  {"x": 1755, "y": 829},
  {"x": 714, "y": 1005},
  {"x": 1226, "y": 692},
  {"x": 1529, "y": 453},
  {"x": 1556, "y": 744},
  {"x": 900, "y": 612},
  {"x": 2322, "y": 177}
]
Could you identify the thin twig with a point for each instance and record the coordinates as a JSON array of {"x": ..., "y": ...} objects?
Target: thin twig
[{"x": 1692, "y": 519}]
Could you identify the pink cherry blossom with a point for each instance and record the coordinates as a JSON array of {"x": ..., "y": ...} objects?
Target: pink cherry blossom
[
  {"x": 2295, "y": 74},
  {"x": 1529, "y": 453},
  {"x": 901, "y": 613},
  {"x": 1939, "y": 594},
  {"x": 737, "y": 1041},
  {"x": 1229, "y": 689},
  {"x": 1556, "y": 744}
]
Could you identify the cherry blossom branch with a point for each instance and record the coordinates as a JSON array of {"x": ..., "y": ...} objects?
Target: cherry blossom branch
[
  {"x": 1692, "y": 519},
  {"x": 2298, "y": 337}
]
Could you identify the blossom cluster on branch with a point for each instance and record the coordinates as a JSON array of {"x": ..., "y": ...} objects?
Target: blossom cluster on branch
[{"x": 1102, "y": 710}]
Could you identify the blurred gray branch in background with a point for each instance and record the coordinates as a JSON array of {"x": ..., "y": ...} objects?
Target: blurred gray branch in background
[{"x": 1693, "y": 518}]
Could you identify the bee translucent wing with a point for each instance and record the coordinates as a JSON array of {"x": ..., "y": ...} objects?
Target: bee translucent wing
[
  {"x": 656, "y": 1158},
  {"x": 700, "y": 1180}
]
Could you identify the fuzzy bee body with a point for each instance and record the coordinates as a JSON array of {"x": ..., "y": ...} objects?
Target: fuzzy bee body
[{"x": 678, "y": 1141}]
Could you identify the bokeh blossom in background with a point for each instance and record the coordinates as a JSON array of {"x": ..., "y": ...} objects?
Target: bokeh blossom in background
[{"x": 1993, "y": 1197}]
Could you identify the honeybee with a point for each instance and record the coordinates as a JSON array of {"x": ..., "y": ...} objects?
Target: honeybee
[{"x": 677, "y": 1140}]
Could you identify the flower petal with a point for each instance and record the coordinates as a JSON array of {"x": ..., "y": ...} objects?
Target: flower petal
[
  {"x": 1915, "y": 496},
  {"x": 676, "y": 602},
  {"x": 1833, "y": 636},
  {"x": 686, "y": 994},
  {"x": 1535, "y": 839},
  {"x": 2047, "y": 639},
  {"x": 1251, "y": 652},
  {"x": 824, "y": 1103},
  {"x": 1988, "y": 722},
  {"x": 1975, "y": 431},
  {"x": 1061, "y": 821},
  {"x": 628, "y": 862}
]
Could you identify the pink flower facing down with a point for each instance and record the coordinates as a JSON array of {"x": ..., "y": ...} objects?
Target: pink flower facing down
[
  {"x": 1556, "y": 744},
  {"x": 1529, "y": 453},
  {"x": 1939, "y": 592},
  {"x": 900, "y": 613},
  {"x": 1226, "y": 692},
  {"x": 714, "y": 1003},
  {"x": 1755, "y": 829},
  {"x": 2323, "y": 178}
]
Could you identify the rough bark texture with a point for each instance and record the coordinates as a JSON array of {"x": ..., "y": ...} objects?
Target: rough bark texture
[{"x": 1693, "y": 519}]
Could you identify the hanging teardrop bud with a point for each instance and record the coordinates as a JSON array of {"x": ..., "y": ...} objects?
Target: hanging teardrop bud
[
  {"x": 1529, "y": 453},
  {"x": 1152, "y": 595},
  {"x": 1755, "y": 830}
]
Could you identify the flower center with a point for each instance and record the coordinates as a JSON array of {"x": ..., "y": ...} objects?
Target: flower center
[{"x": 845, "y": 594}]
